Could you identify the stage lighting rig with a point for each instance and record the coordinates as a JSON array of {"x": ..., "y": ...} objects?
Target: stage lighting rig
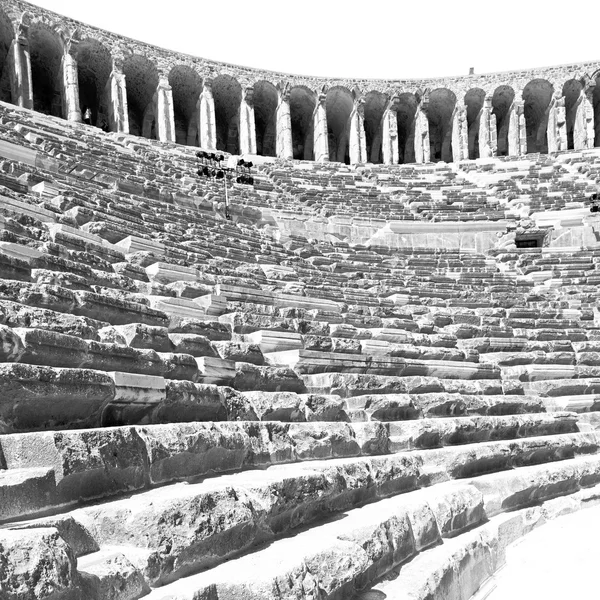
[{"x": 211, "y": 168}]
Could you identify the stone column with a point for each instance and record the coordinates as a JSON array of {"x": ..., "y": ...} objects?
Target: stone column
[
  {"x": 247, "y": 125},
  {"x": 70, "y": 88},
  {"x": 321, "y": 138},
  {"x": 283, "y": 141},
  {"x": 116, "y": 92},
  {"x": 20, "y": 77},
  {"x": 207, "y": 120},
  {"x": 556, "y": 129},
  {"x": 357, "y": 139},
  {"x": 460, "y": 134},
  {"x": 422, "y": 142},
  {"x": 517, "y": 133},
  {"x": 583, "y": 126},
  {"x": 487, "y": 130},
  {"x": 165, "y": 116},
  {"x": 389, "y": 128}
]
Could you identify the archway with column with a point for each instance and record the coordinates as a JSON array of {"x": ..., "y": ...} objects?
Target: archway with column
[
  {"x": 338, "y": 105},
  {"x": 46, "y": 52},
  {"x": 502, "y": 100},
  {"x": 441, "y": 107},
  {"x": 265, "y": 117},
  {"x": 227, "y": 94},
  {"x": 474, "y": 99},
  {"x": 7, "y": 36},
  {"x": 375, "y": 105},
  {"x": 302, "y": 107},
  {"x": 94, "y": 64},
  {"x": 407, "y": 108},
  {"x": 186, "y": 86},
  {"x": 537, "y": 96},
  {"x": 141, "y": 78},
  {"x": 571, "y": 91}
]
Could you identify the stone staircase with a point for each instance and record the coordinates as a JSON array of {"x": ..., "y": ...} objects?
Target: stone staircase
[{"x": 192, "y": 408}]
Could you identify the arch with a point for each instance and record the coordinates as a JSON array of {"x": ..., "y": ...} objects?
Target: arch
[
  {"x": 302, "y": 107},
  {"x": 474, "y": 99},
  {"x": 186, "y": 86},
  {"x": 227, "y": 94},
  {"x": 338, "y": 104},
  {"x": 46, "y": 52},
  {"x": 265, "y": 118},
  {"x": 94, "y": 64},
  {"x": 7, "y": 36},
  {"x": 537, "y": 96},
  {"x": 141, "y": 80},
  {"x": 441, "y": 106},
  {"x": 405, "y": 114},
  {"x": 596, "y": 106},
  {"x": 571, "y": 91},
  {"x": 375, "y": 105},
  {"x": 502, "y": 100}
]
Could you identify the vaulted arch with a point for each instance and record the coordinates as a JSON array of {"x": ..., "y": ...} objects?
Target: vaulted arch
[
  {"x": 474, "y": 102},
  {"x": 339, "y": 105},
  {"x": 502, "y": 100},
  {"x": 7, "y": 35},
  {"x": 375, "y": 105},
  {"x": 537, "y": 96},
  {"x": 186, "y": 86},
  {"x": 227, "y": 94},
  {"x": 141, "y": 78},
  {"x": 94, "y": 64},
  {"x": 302, "y": 106},
  {"x": 441, "y": 106},
  {"x": 46, "y": 52},
  {"x": 407, "y": 108},
  {"x": 571, "y": 91},
  {"x": 265, "y": 117}
]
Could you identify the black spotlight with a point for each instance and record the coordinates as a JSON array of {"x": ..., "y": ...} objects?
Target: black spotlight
[
  {"x": 241, "y": 162},
  {"x": 249, "y": 165},
  {"x": 220, "y": 174}
]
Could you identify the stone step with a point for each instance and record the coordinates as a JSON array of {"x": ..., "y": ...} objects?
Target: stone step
[
  {"x": 252, "y": 507},
  {"x": 311, "y": 362}
]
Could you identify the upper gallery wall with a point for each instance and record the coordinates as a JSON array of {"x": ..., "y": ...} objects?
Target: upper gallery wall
[{"x": 68, "y": 69}]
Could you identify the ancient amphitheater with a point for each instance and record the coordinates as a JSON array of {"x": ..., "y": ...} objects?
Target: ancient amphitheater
[{"x": 381, "y": 370}]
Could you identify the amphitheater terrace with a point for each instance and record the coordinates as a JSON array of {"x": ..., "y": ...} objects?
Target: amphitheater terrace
[{"x": 364, "y": 372}]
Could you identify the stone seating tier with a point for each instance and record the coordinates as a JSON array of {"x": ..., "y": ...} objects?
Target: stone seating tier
[{"x": 192, "y": 406}]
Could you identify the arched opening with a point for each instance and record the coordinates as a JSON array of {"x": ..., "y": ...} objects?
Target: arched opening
[
  {"x": 474, "y": 102},
  {"x": 227, "y": 94},
  {"x": 537, "y": 96},
  {"x": 265, "y": 118},
  {"x": 302, "y": 107},
  {"x": 46, "y": 52},
  {"x": 186, "y": 86},
  {"x": 596, "y": 105},
  {"x": 338, "y": 105},
  {"x": 141, "y": 80},
  {"x": 94, "y": 64},
  {"x": 407, "y": 108},
  {"x": 375, "y": 104},
  {"x": 501, "y": 102},
  {"x": 441, "y": 106},
  {"x": 571, "y": 92},
  {"x": 7, "y": 35}
]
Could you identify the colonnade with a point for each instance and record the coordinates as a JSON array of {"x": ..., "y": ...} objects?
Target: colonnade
[{"x": 129, "y": 94}]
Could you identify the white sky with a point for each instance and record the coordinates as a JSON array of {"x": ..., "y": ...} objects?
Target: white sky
[{"x": 376, "y": 39}]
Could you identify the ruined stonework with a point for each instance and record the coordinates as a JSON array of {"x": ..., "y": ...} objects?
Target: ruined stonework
[{"x": 364, "y": 375}]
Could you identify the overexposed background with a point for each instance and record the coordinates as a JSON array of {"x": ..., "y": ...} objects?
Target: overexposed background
[{"x": 393, "y": 39}]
